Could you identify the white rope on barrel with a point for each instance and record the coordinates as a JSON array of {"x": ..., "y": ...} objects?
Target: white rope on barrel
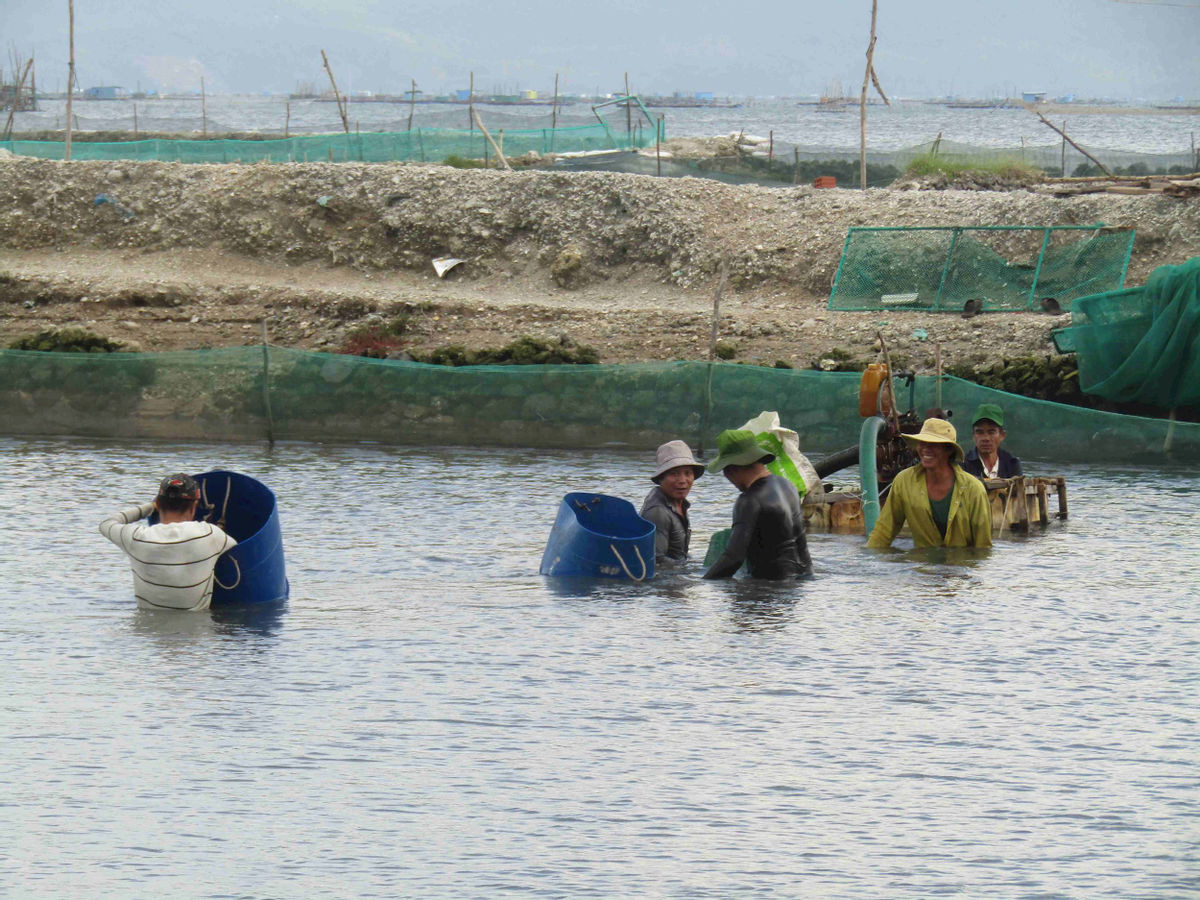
[
  {"x": 613, "y": 548},
  {"x": 230, "y": 587}
]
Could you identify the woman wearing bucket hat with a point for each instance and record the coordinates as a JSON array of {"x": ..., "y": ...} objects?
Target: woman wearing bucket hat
[
  {"x": 675, "y": 471},
  {"x": 943, "y": 505},
  {"x": 768, "y": 526}
]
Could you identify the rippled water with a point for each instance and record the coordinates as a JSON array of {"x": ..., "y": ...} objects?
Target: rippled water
[
  {"x": 902, "y": 125},
  {"x": 429, "y": 717}
]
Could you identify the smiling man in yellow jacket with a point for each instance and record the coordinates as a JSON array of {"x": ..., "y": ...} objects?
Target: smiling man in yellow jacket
[{"x": 943, "y": 505}]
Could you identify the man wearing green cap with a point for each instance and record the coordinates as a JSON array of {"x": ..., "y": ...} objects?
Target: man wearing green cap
[
  {"x": 986, "y": 459},
  {"x": 768, "y": 525}
]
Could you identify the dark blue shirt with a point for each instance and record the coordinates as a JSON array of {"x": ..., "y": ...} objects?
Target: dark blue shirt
[{"x": 1007, "y": 466}]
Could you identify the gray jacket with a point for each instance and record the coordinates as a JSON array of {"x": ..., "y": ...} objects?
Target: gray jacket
[{"x": 672, "y": 532}]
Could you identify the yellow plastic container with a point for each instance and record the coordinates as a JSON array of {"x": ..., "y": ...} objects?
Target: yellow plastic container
[{"x": 874, "y": 378}]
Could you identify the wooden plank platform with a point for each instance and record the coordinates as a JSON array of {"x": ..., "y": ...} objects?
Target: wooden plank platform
[{"x": 1017, "y": 504}]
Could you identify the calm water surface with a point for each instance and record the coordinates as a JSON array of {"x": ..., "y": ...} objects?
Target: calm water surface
[{"x": 429, "y": 717}]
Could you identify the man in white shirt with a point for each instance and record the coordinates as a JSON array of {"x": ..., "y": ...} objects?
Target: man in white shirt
[{"x": 172, "y": 561}]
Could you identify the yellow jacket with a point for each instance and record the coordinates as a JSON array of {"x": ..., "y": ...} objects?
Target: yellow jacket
[{"x": 970, "y": 520}]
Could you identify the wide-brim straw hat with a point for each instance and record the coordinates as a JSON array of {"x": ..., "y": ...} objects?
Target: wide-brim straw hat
[
  {"x": 936, "y": 431},
  {"x": 670, "y": 456},
  {"x": 738, "y": 447}
]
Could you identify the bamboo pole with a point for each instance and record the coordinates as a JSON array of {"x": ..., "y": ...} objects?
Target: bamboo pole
[
  {"x": 12, "y": 114},
  {"x": 629, "y": 113},
  {"x": 554, "y": 111},
  {"x": 658, "y": 143},
  {"x": 869, "y": 77},
  {"x": 716, "y": 316},
  {"x": 412, "y": 102},
  {"x": 203, "y": 110},
  {"x": 135, "y": 124},
  {"x": 287, "y": 116},
  {"x": 471, "y": 104},
  {"x": 488, "y": 138},
  {"x": 70, "y": 76},
  {"x": 771, "y": 146},
  {"x": 1067, "y": 140},
  {"x": 337, "y": 97}
]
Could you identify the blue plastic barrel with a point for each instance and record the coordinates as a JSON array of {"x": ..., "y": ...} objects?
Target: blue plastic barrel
[
  {"x": 598, "y": 536},
  {"x": 254, "y": 570}
]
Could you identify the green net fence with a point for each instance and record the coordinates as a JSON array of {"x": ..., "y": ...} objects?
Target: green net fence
[
  {"x": 1141, "y": 345},
  {"x": 432, "y": 145},
  {"x": 1008, "y": 268},
  {"x": 256, "y": 393}
]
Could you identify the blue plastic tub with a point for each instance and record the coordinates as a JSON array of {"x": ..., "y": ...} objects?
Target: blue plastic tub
[
  {"x": 599, "y": 536},
  {"x": 254, "y": 570}
]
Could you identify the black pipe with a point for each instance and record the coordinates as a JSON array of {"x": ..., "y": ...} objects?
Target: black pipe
[{"x": 836, "y": 461}]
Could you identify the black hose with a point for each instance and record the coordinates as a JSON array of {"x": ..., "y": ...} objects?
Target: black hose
[{"x": 835, "y": 462}]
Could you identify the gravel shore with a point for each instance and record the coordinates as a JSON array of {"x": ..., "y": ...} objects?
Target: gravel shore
[{"x": 183, "y": 256}]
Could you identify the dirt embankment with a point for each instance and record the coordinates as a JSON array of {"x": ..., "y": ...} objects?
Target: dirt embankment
[{"x": 171, "y": 256}]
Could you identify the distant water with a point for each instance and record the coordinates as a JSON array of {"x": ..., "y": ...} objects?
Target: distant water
[
  {"x": 903, "y": 125},
  {"x": 428, "y": 717}
]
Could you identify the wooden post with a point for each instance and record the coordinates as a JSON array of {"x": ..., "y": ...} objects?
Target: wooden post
[
  {"x": 628, "y": 112},
  {"x": 1063, "y": 164},
  {"x": 266, "y": 389},
  {"x": 412, "y": 102},
  {"x": 554, "y": 111},
  {"x": 796, "y": 171},
  {"x": 488, "y": 138},
  {"x": 20, "y": 83},
  {"x": 1061, "y": 484},
  {"x": 70, "y": 76},
  {"x": 868, "y": 77},
  {"x": 471, "y": 106},
  {"x": 135, "y": 128},
  {"x": 500, "y": 144},
  {"x": 203, "y": 110},
  {"x": 937, "y": 356},
  {"x": 771, "y": 146},
  {"x": 287, "y": 116},
  {"x": 658, "y": 144},
  {"x": 336, "y": 95},
  {"x": 716, "y": 318},
  {"x": 1067, "y": 140}
]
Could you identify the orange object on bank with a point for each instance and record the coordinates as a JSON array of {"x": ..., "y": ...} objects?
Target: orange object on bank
[
  {"x": 824, "y": 181},
  {"x": 874, "y": 379}
]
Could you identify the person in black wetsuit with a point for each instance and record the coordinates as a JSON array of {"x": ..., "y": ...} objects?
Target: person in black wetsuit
[{"x": 768, "y": 526}]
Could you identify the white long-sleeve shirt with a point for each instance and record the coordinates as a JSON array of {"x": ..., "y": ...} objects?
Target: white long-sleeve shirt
[{"x": 172, "y": 564}]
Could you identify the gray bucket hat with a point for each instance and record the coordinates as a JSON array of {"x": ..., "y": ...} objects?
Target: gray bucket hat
[{"x": 671, "y": 455}]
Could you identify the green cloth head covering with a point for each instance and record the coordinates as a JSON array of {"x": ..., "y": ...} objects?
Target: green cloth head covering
[{"x": 737, "y": 447}]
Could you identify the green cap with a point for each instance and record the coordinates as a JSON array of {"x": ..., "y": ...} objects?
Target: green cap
[
  {"x": 990, "y": 411},
  {"x": 738, "y": 447}
]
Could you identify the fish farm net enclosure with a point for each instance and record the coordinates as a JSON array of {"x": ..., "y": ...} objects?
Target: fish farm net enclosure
[
  {"x": 1141, "y": 345},
  {"x": 261, "y": 393},
  {"x": 432, "y": 145},
  {"x": 1007, "y": 268}
]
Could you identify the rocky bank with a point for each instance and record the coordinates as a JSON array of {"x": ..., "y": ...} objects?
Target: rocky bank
[{"x": 172, "y": 256}]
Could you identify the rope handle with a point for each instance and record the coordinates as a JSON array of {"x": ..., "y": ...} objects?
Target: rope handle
[
  {"x": 637, "y": 550},
  {"x": 230, "y": 587}
]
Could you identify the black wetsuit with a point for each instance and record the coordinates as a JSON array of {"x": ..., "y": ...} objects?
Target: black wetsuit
[{"x": 768, "y": 533}]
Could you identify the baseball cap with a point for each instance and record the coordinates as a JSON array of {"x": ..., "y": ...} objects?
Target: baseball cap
[{"x": 179, "y": 487}]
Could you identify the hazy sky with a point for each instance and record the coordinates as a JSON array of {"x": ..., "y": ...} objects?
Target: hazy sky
[{"x": 1090, "y": 48}]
